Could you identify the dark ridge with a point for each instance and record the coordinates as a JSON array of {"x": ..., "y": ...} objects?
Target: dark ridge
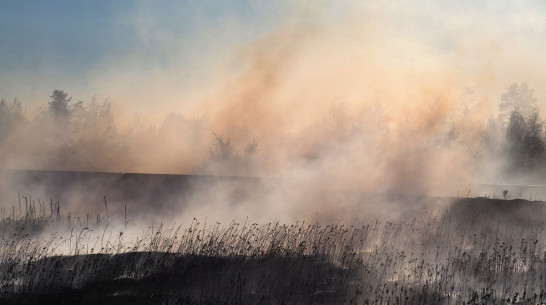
[
  {"x": 161, "y": 194},
  {"x": 514, "y": 212},
  {"x": 136, "y": 190}
]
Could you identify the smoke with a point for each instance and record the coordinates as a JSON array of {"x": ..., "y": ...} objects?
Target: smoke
[{"x": 332, "y": 100}]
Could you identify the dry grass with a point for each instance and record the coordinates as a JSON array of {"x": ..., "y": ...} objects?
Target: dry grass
[{"x": 479, "y": 258}]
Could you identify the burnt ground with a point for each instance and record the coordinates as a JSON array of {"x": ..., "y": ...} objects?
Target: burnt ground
[{"x": 162, "y": 278}]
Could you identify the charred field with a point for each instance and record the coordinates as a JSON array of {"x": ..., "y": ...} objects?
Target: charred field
[{"x": 470, "y": 251}]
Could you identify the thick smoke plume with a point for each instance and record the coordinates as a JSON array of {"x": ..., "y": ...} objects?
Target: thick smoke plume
[{"x": 326, "y": 109}]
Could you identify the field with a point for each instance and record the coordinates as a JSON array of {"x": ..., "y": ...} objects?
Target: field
[{"x": 474, "y": 251}]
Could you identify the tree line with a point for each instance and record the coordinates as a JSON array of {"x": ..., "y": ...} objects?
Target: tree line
[
  {"x": 84, "y": 136},
  {"x": 524, "y": 135}
]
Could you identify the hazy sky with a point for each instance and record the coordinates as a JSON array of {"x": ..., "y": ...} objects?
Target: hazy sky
[
  {"x": 139, "y": 53},
  {"x": 73, "y": 45}
]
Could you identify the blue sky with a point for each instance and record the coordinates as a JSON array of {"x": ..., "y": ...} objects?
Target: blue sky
[
  {"x": 68, "y": 34},
  {"x": 62, "y": 44},
  {"x": 51, "y": 42},
  {"x": 75, "y": 34}
]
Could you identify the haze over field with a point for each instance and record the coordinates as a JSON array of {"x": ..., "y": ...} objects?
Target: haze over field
[
  {"x": 335, "y": 97},
  {"x": 272, "y": 152}
]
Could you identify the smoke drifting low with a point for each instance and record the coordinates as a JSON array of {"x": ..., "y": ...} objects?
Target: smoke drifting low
[{"x": 326, "y": 106}]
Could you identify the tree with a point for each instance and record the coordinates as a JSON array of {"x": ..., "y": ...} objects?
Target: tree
[
  {"x": 8, "y": 109},
  {"x": 225, "y": 159},
  {"x": 515, "y": 133},
  {"x": 10, "y": 115},
  {"x": 533, "y": 143},
  {"x": 222, "y": 150},
  {"x": 518, "y": 96},
  {"x": 525, "y": 143},
  {"x": 99, "y": 109},
  {"x": 59, "y": 105}
]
